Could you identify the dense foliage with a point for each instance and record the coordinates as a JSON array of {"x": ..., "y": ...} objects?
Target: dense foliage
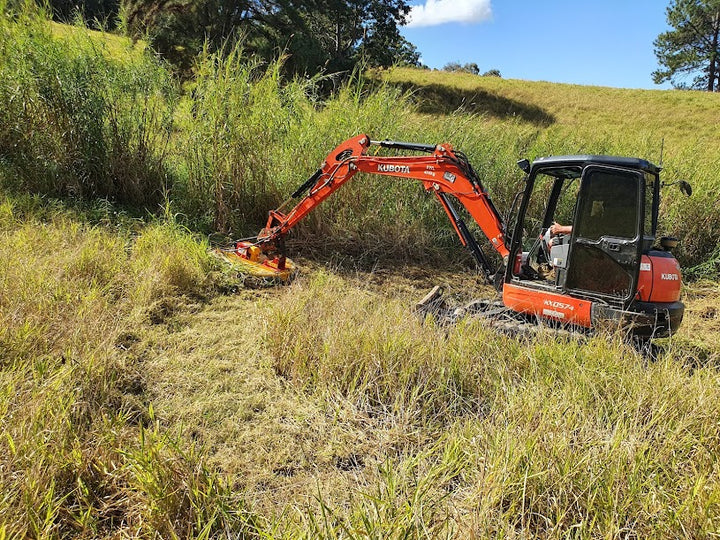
[
  {"x": 320, "y": 35},
  {"x": 76, "y": 122},
  {"x": 470, "y": 67},
  {"x": 89, "y": 116}
]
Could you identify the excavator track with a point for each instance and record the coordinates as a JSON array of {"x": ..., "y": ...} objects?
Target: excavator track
[
  {"x": 504, "y": 320},
  {"x": 494, "y": 315}
]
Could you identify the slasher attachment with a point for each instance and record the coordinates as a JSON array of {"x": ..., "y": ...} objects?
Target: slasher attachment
[{"x": 250, "y": 259}]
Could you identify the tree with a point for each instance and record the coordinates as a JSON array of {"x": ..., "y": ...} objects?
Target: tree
[
  {"x": 316, "y": 35},
  {"x": 381, "y": 44},
  {"x": 470, "y": 67},
  {"x": 691, "y": 47},
  {"x": 96, "y": 13}
]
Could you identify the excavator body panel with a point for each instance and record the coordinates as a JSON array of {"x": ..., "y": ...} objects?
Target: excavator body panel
[
  {"x": 548, "y": 305},
  {"x": 660, "y": 278}
]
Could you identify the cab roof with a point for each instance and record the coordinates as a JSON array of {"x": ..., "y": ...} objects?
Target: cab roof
[{"x": 571, "y": 166}]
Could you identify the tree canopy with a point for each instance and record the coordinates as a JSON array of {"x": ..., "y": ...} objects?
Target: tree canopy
[
  {"x": 470, "y": 67},
  {"x": 316, "y": 35},
  {"x": 690, "y": 49}
]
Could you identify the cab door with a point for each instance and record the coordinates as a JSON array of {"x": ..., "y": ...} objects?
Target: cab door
[{"x": 606, "y": 241}]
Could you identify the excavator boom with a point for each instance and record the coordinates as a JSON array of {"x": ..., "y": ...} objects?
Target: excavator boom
[{"x": 444, "y": 172}]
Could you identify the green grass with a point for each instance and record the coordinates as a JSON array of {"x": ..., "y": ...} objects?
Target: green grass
[
  {"x": 79, "y": 119},
  {"x": 112, "y": 45},
  {"x": 89, "y": 115},
  {"x": 136, "y": 400}
]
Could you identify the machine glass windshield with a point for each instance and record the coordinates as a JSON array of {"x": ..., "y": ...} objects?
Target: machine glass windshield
[
  {"x": 553, "y": 200},
  {"x": 532, "y": 224},
  {"x": 609, "y": 207}
]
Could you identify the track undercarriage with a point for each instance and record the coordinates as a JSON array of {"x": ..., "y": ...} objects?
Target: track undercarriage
[{"x": 493, "y": 313}]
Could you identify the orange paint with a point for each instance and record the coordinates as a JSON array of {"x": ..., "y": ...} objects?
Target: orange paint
[
  {"x": 660, "y": 279},
  {"x": 557, "y": 307}
]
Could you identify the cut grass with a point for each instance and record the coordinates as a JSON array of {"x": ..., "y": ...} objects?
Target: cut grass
[{"x": 339, "y": 416}]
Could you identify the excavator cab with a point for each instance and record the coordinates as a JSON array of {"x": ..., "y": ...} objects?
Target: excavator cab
[{"x": 603, "y": 269}]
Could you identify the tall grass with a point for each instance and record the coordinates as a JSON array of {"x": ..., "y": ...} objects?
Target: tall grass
[
  {"x": 249, "y": 138},
  {"x": 498, "y": 437},
  {"x": 77, "y": 121},
  {"x": 81, "y": 451},
  {"x": 240, "y": 116}
]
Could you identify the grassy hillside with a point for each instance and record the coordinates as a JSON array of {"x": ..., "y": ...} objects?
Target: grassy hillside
[
  {"x": 681, "y": 118},
  {"x": 113, "y": 45},
  {"x": 145, "y": 392},
  {"x": 100, "y": 117},
  {"x": 532, "y": 119}
]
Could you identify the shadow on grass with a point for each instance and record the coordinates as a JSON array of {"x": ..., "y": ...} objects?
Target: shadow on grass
[{"x": 445, "y": 99}]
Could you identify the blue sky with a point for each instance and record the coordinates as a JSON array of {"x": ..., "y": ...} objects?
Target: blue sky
[{"x": 599, "y": 42}]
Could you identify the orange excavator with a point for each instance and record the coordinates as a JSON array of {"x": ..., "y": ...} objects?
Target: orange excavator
[{"x": 605, "y": 268}]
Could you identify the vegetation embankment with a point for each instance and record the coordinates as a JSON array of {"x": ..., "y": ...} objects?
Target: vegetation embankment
[
  {"x": 137, "y": 401},
  {"x": 679, "y": 128},
  {"x": 81, "y": 119}
]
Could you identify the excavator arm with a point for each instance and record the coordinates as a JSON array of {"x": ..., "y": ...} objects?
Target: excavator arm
[{"x": 444, "y": 172}]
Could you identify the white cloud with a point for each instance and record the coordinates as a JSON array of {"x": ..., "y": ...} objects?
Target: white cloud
[{"x": 434, "y": 12}]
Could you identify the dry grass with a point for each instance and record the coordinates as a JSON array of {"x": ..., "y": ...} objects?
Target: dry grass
[
  {"x": 81, "y": 453},
  {"x": 338, "y": 415},
  {"x": 136, "y": 402}
]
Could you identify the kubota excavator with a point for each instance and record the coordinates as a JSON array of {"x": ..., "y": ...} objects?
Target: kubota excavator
[{"x": 607, "y": 269}]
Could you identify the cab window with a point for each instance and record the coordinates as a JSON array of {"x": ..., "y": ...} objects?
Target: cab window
[{"x": 609, "y": 206}]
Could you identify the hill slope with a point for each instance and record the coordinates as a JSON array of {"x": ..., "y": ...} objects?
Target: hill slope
[
  {"x": 679, "y": 117},
  {"x": 497, "y": 122}
]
